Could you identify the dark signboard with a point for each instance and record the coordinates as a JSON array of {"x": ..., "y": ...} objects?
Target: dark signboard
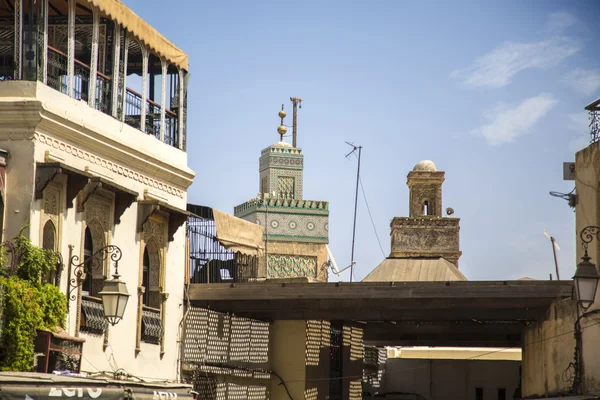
[{"x": 60, "y": 391}]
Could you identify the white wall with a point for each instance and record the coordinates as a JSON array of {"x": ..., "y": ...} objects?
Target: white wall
[
  {"x": 451, "y": 379},
  {"x": 78, "y": 136}
]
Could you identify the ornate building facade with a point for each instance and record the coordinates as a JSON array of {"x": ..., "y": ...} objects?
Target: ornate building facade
[
  {"x": 91, "y": 162},
  {"x": 296, "y": 230}
]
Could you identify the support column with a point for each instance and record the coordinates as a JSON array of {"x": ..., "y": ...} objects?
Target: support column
[
  {"x": 180, "y": 120},
  {"x": 94, "y": 61},
  {"x": 116, "y": 72},
  {"x": 44, "y": 61},
  {"x": 18, "y": 37},
  {"x": 163, "y": 98},
  {"x": 144, "y": 109},
  {"x": 71, "y": 49},
  {"x": 124, "y": 88}
]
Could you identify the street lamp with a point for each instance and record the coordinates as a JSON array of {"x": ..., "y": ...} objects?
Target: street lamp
[
  {"x": 586, "y": 276},
  {"x": 114, "y": 293},
  {"x": 114, "y": 298}
]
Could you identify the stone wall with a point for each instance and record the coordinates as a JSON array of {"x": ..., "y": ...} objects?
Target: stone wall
[{"x": 426, "y": 237}]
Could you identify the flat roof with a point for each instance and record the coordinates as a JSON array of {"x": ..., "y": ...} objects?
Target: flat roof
[{"x": 458, "y": 313}]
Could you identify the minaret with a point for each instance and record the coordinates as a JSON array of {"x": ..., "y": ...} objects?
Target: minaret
[
  {"x": 425, "y": 233},
  {"x": 281, "y": 168},
  {"x": 296, "y": 230}
]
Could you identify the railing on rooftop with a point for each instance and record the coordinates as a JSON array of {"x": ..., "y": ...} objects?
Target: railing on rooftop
[
  {"x": 594, "y": 111},
  {"x": 210, "y": 262},
  {"x": 105, "y": 59}
]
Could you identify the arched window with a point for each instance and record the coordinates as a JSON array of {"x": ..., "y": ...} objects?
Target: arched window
[
  {"x": 49, "y": 236},
  {"x": 49, "y": 243},
  {"x": 88, "y": 250},
  {"x": 146, "y": 278}
]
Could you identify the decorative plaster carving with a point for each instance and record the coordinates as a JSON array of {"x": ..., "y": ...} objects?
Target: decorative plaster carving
[
  {"x": 108, "y": 165},
  {"x": 291, "y": 266}
]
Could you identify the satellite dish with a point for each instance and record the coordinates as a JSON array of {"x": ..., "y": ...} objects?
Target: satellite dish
[{"x": 450, "y": 211}]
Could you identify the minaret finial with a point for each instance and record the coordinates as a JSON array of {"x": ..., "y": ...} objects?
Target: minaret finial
[{"x": 282, "y": 130}]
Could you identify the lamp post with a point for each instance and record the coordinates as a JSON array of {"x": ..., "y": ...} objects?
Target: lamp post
[
  {"x": 114, "y": 294},
  {"x": 586, "y": 276},
  {"x": 586, "y": 284}
]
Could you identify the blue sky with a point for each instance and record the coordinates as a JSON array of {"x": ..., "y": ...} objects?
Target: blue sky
[{"x": 492, "y": 92}]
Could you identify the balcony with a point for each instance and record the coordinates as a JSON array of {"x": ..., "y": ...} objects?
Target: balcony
[
  {"x": 594, "y": 111},
  {"x": 99, "y": 52}
]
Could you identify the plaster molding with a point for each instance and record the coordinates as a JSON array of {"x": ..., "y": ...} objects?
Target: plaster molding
[
  {"x": 106, "y": 164},
  {"x": 103, "y": 145},
  {"x": 28, "y": 113}
]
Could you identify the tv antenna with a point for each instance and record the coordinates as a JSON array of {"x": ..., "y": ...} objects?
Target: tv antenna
[
  {"x": 555, "y": 248},
  {"x": 354, "y": 148}
]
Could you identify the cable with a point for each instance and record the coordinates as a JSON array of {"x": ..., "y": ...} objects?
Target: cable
[
  {"x": 89, "y": 362},
  {"x": 370, "y": 216}
]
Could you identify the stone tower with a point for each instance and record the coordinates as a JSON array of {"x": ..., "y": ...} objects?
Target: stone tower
[
  {"x": 425, "y": 233},
  {"x": 296, "y": 230},
  {"x": 280, "y": 167},
  {"x": 425, "y": 245}
]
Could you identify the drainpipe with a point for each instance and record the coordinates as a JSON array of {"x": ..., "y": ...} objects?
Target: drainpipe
[{"x": 3, "y": 162}]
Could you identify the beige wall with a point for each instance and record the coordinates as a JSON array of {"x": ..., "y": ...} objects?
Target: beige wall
[
  {"x": 451, "y": 379},
  {"x": 41, "y": 124},
  {"x": 547, "y": 351},
  {"x": 288, "y": 352},
  {"x": 587, "y": 171}
]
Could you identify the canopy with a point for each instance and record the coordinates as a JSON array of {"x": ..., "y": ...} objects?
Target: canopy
[
  {"x": 129, "y": 20},
  {"x": 237, "y": 234},
  {"x": 80, "y": 390}
]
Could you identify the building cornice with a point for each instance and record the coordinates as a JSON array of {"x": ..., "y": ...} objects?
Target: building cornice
[{"x": 36, "y": 112}]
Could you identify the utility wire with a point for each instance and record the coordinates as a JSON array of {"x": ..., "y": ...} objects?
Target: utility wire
[{"x": 370, "y": 216}]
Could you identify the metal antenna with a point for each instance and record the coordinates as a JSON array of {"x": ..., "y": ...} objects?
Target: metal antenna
[
  {"x": 554, "y": 248},
  {"x": 295, "y": 102},
  {"x": 354, "y": 148}
]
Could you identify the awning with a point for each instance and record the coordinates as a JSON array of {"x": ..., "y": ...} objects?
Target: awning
[
  {"x": 129, "y": 20},
  {"x": 161, "y": 394},
  {"x": 79, "y": 180},
  {"x": 237, "y": 234},
  {"x": 45, "y": 173},
  {"x": 177, "y": 217},
  {"x": 81, "y": 391}
]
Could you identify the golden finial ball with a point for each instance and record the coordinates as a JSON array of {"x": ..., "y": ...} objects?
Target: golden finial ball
[
  {"x": 282, "y": 114},
  {"x": 282, "y": 130}
]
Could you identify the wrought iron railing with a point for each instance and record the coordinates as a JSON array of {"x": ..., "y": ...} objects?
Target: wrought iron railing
[
  {"x": 58, "y": 80},
  {"x": 210, "y": 262},
  {"x": 92, "y": 316},
  {"x": 594, "y": 111},
  {"x": 57, "y": 70},
  {"x": 152, "y": 329}
]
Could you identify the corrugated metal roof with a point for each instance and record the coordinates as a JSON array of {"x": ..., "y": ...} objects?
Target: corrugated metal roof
[{"x": 415, "y": 270}]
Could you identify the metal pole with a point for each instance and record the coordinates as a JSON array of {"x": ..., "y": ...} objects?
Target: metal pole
[
  {"x": 355, "y": 208},
  {"x": 69, "y": 272},
  {"x": 555, "y": 260},
  {"x": 295, "y": 101}
]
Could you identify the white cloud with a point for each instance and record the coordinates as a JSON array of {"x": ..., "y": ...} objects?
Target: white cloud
[
  {"x": 507, "y": 123},
  {"x": 560, "y": 21},
  {"x": 586, "y": 81},
  {"x": 497, "y": 68}
]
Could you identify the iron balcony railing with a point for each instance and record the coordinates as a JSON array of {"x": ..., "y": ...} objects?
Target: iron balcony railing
[
  {"x": 58, "y": 80},
  {"x": 594, "y": 111}
]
